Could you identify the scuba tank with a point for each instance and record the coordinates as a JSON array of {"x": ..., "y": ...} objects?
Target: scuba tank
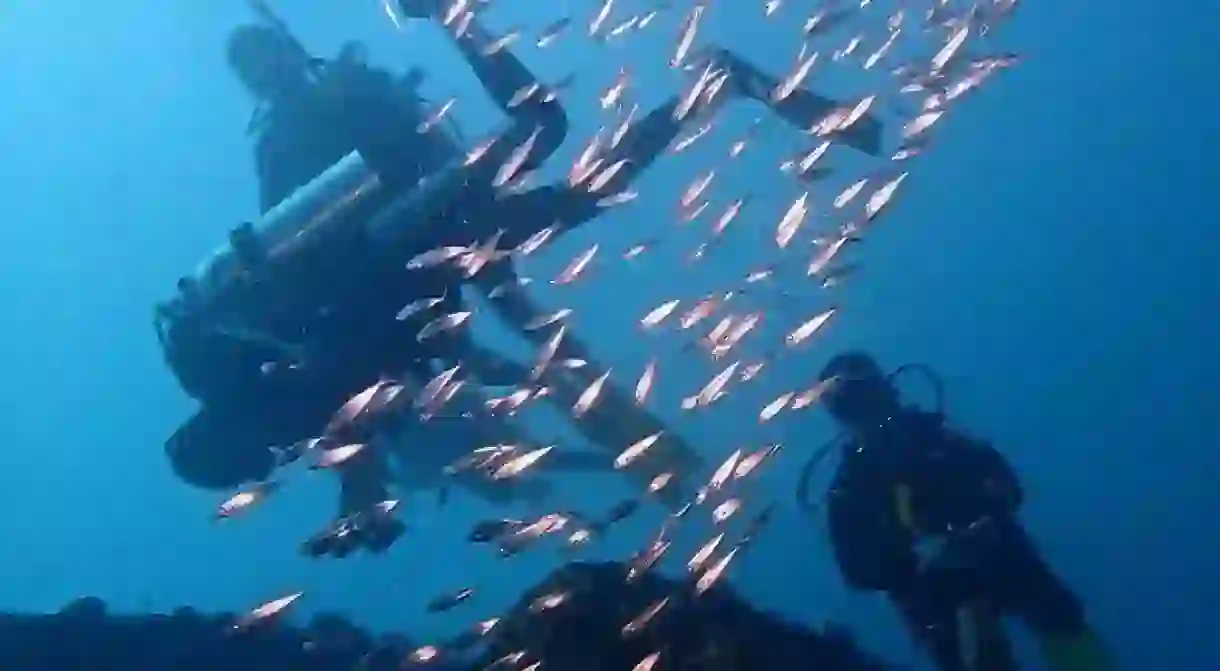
[
  {"x": 340, "y": 203},
  {"x": 351, "y": 192}
]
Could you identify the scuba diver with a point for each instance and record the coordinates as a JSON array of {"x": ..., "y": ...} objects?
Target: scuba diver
[
  {"x": 929, "y": 516},
  {"x": 300, "y": 311},
  {"x": 275, "y": 333}
]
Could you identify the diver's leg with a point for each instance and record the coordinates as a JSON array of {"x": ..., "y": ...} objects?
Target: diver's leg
[
  {"x": 565, "y": 206},
  {"x": 932, "y": 621},
  {"x": 960, "y": 594},
  {"x": 643, "y": 143},
  {"x": 647, "y": 139},
  {"x": 491, "y": 367},
  {"x": 502, "y": 288},
  {"x": 513, "y": 304},
  {"x": 802, "y": 109},
  {"x": 362, "y": 481},
  {"x": 615, "y": 421},
  {"x": 424, "y": 448},
  {"x": 482, "y": 364},
  {"x": 1026, "y": 586}
]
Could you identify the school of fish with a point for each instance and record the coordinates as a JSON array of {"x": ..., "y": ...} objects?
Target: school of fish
[{"x": 932, "y": 53}]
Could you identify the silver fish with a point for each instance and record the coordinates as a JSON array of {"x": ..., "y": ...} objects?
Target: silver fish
[{"x": 441, "y": 324}]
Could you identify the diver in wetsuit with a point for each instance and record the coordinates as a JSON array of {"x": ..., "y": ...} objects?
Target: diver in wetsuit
[
  {"x": 288, "y": 340},
  {"x": 330, "y": 310},
  {"x": 929, "y": 516},
  {"x": 296, "y": 342}
]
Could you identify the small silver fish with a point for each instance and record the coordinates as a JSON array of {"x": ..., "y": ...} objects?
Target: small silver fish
[
  {"x": 552, "y": 31},
  {"x": 435, "y": 257},
  {"x": 441, "y": 324},
  {"x": 589, "y": 396},
  {"x": 644, "y": 385},
  {"x": 266, "y": 611},
  {"x": 518, "y": 465},
  {"x": 714, "y": 573},
  {"x": 636, "y": 450},
  {"x": 337, "y": 456},
  {"x": 415, "y": 307},
  {"x": 639, "y": 622},
  {"x": 244, "y": 500},
  {"x": 542, "y": 321},
  {"x": 807, "y": 329},
  {"x": 446, "y": 602}
]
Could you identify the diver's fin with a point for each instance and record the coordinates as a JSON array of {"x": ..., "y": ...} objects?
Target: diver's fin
[
  {"x": 1082, "y": 651},
  {"x": 219, "y": 450}
]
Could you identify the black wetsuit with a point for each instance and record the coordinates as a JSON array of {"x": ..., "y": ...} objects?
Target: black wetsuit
[
  {"x": 956, "y": 486},
  {"x": 337, "y": 301}
]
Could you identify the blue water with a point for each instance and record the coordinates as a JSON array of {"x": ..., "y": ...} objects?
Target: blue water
[{"x": 1056, "y": 258}]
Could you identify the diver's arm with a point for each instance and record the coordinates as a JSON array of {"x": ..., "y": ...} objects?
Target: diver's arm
[{"x": 516, "y": 307}]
